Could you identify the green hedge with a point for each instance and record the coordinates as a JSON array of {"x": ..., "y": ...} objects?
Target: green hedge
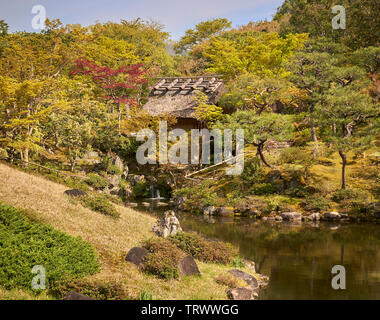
[{"x": 24, "y": 244}]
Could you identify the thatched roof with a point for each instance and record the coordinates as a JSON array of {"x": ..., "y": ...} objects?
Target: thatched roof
[{"x": 176, "y": 95}]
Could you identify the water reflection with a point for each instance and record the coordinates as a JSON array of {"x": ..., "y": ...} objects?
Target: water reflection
[{"x": 298, "y": 258}]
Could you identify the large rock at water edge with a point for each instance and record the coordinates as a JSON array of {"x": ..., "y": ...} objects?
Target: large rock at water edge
[
  {"x": 75, "y": 193},
  {"x": 332, "y": 216},
  {"x": 249, "y": 279},
  {"x": 291, "y": 216},
  {"x": 76, "y": 296},
  {"x": 241, "y": 294},
  {"x": 188, "y": 267},
  {"x": 225, "y": 212},
  {"x": 136, "y": 255},
  {"x": 209, "y": 211},
  {"x": 168, "y": 226}
]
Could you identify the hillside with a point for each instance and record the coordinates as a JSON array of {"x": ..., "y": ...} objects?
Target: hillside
[{"x": 45, "y": 202}]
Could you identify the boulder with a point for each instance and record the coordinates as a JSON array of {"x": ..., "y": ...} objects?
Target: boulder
[
  {"x": 76, "y": 296},
  {"x": 134, "y": 179},
  {"x": 225, "y": 212},
  {"x": 332, "y": 216},
  {"x": 279, "y": 218},
  {"x": 188, "y": 267},
  {"x": 136, "y": 255},
  {"x": 209, "y": 211},
  {"x": 168, "y": 225},
  {"x": 241, "y": 294},
  {"x": 146, "y": 204},
  {"x": 114, "y": 181},
  {"x": 75, "y": 193},
  {"x": 250, "y": 265},
  {"x": 119, "y": 163},
  {"x": 179, "y": 202},
  {"x": 249, "y": 279},
  {"x": 291, "y": 216}
]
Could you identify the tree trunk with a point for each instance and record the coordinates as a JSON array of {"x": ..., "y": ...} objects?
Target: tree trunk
[
  {"x": 26, "y": 157},
  {"x": 260, "y": 151},
  {"x": 72, "y": 165},
  {"x": 344, "y": 159},
  {"x": 315, "y": 139}
]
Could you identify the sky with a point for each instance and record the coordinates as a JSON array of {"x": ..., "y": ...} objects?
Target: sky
[{"x": 176, "y": 15}]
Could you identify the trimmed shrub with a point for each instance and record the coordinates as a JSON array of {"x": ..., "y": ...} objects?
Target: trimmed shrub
[
  {"x": 101, "y": 204},
  {"x": 202, "y": 249},
  {"x": 96, "y": 289},
  {"x": 163, "y": 259},
  {"x": 25, "y": 244},
  {"x": 97, "y": 181}
]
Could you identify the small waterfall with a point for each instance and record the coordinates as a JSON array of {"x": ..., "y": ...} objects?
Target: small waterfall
[{"x": 155, "y": 193}]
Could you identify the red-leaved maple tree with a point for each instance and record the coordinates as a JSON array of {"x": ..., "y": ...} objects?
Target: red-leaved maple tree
[{"x": 122, "y": 86}]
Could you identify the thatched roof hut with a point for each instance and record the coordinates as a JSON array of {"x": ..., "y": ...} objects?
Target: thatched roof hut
[{"x": 176, "y": 96}]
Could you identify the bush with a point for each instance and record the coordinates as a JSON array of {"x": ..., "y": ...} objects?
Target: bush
[
  {"x": 199, "y": 196},
  {"x": 114, "y": 170},
  {"x": 238, "y": 263},
  {"x": 316, "y": 203},
  {"x": 140, "y": 190},
  {"x": 296, "y": 156},
  {"x": 163, "y": 259},
  {"x": 202, "y": 249},
  {"x": 24, "y": 244},
  {"x": 347, "y": 194},
  {"x": 262, "y": 189},
  {"x": 96, "y": 289},
  {"x": 97, "y": 181},
  {"x": 101, "y": 204},
  {"x": 144, "y": 295}
]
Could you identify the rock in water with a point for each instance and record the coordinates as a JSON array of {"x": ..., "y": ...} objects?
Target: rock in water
[
  {"x": 240, "y": 294},
  {"x": 136, "y": 255},
  {"x": 168, "y": 226},
  {"x": 76, "y": 296},
  {"x": 75, "y": 193},
  {"x": 188, "y": 267}
]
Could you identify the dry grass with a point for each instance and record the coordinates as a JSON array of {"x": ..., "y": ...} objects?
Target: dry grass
[{"x": 45, "y": 202}]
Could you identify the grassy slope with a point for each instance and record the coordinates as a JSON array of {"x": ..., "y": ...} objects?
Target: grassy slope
[{"x": 46, "y": 203}]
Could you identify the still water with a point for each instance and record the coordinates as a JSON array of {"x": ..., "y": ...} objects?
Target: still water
[{"x": 299, "y": 258}]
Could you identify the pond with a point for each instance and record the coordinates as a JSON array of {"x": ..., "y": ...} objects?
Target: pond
[{"x": 299, "y": 258}]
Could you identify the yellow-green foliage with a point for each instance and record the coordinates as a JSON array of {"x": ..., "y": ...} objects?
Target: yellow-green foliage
[
  {"x": 162, "y": 259},
  {"x": 204, "y": 250}
]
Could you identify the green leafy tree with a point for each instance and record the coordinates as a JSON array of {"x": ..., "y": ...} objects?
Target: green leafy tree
[
  {"x": 258, "y": 130},
  {"x": 315, "y": 17},
  {"x": 202, "y": 31},
  {"x": 349, "y": 118},
  {"x": 263, "y": 54},
  {"x": 206, "y": 113}
]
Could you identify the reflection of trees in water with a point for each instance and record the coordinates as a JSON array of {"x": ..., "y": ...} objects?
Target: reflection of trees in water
[{"x": 299, "y": 258}]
